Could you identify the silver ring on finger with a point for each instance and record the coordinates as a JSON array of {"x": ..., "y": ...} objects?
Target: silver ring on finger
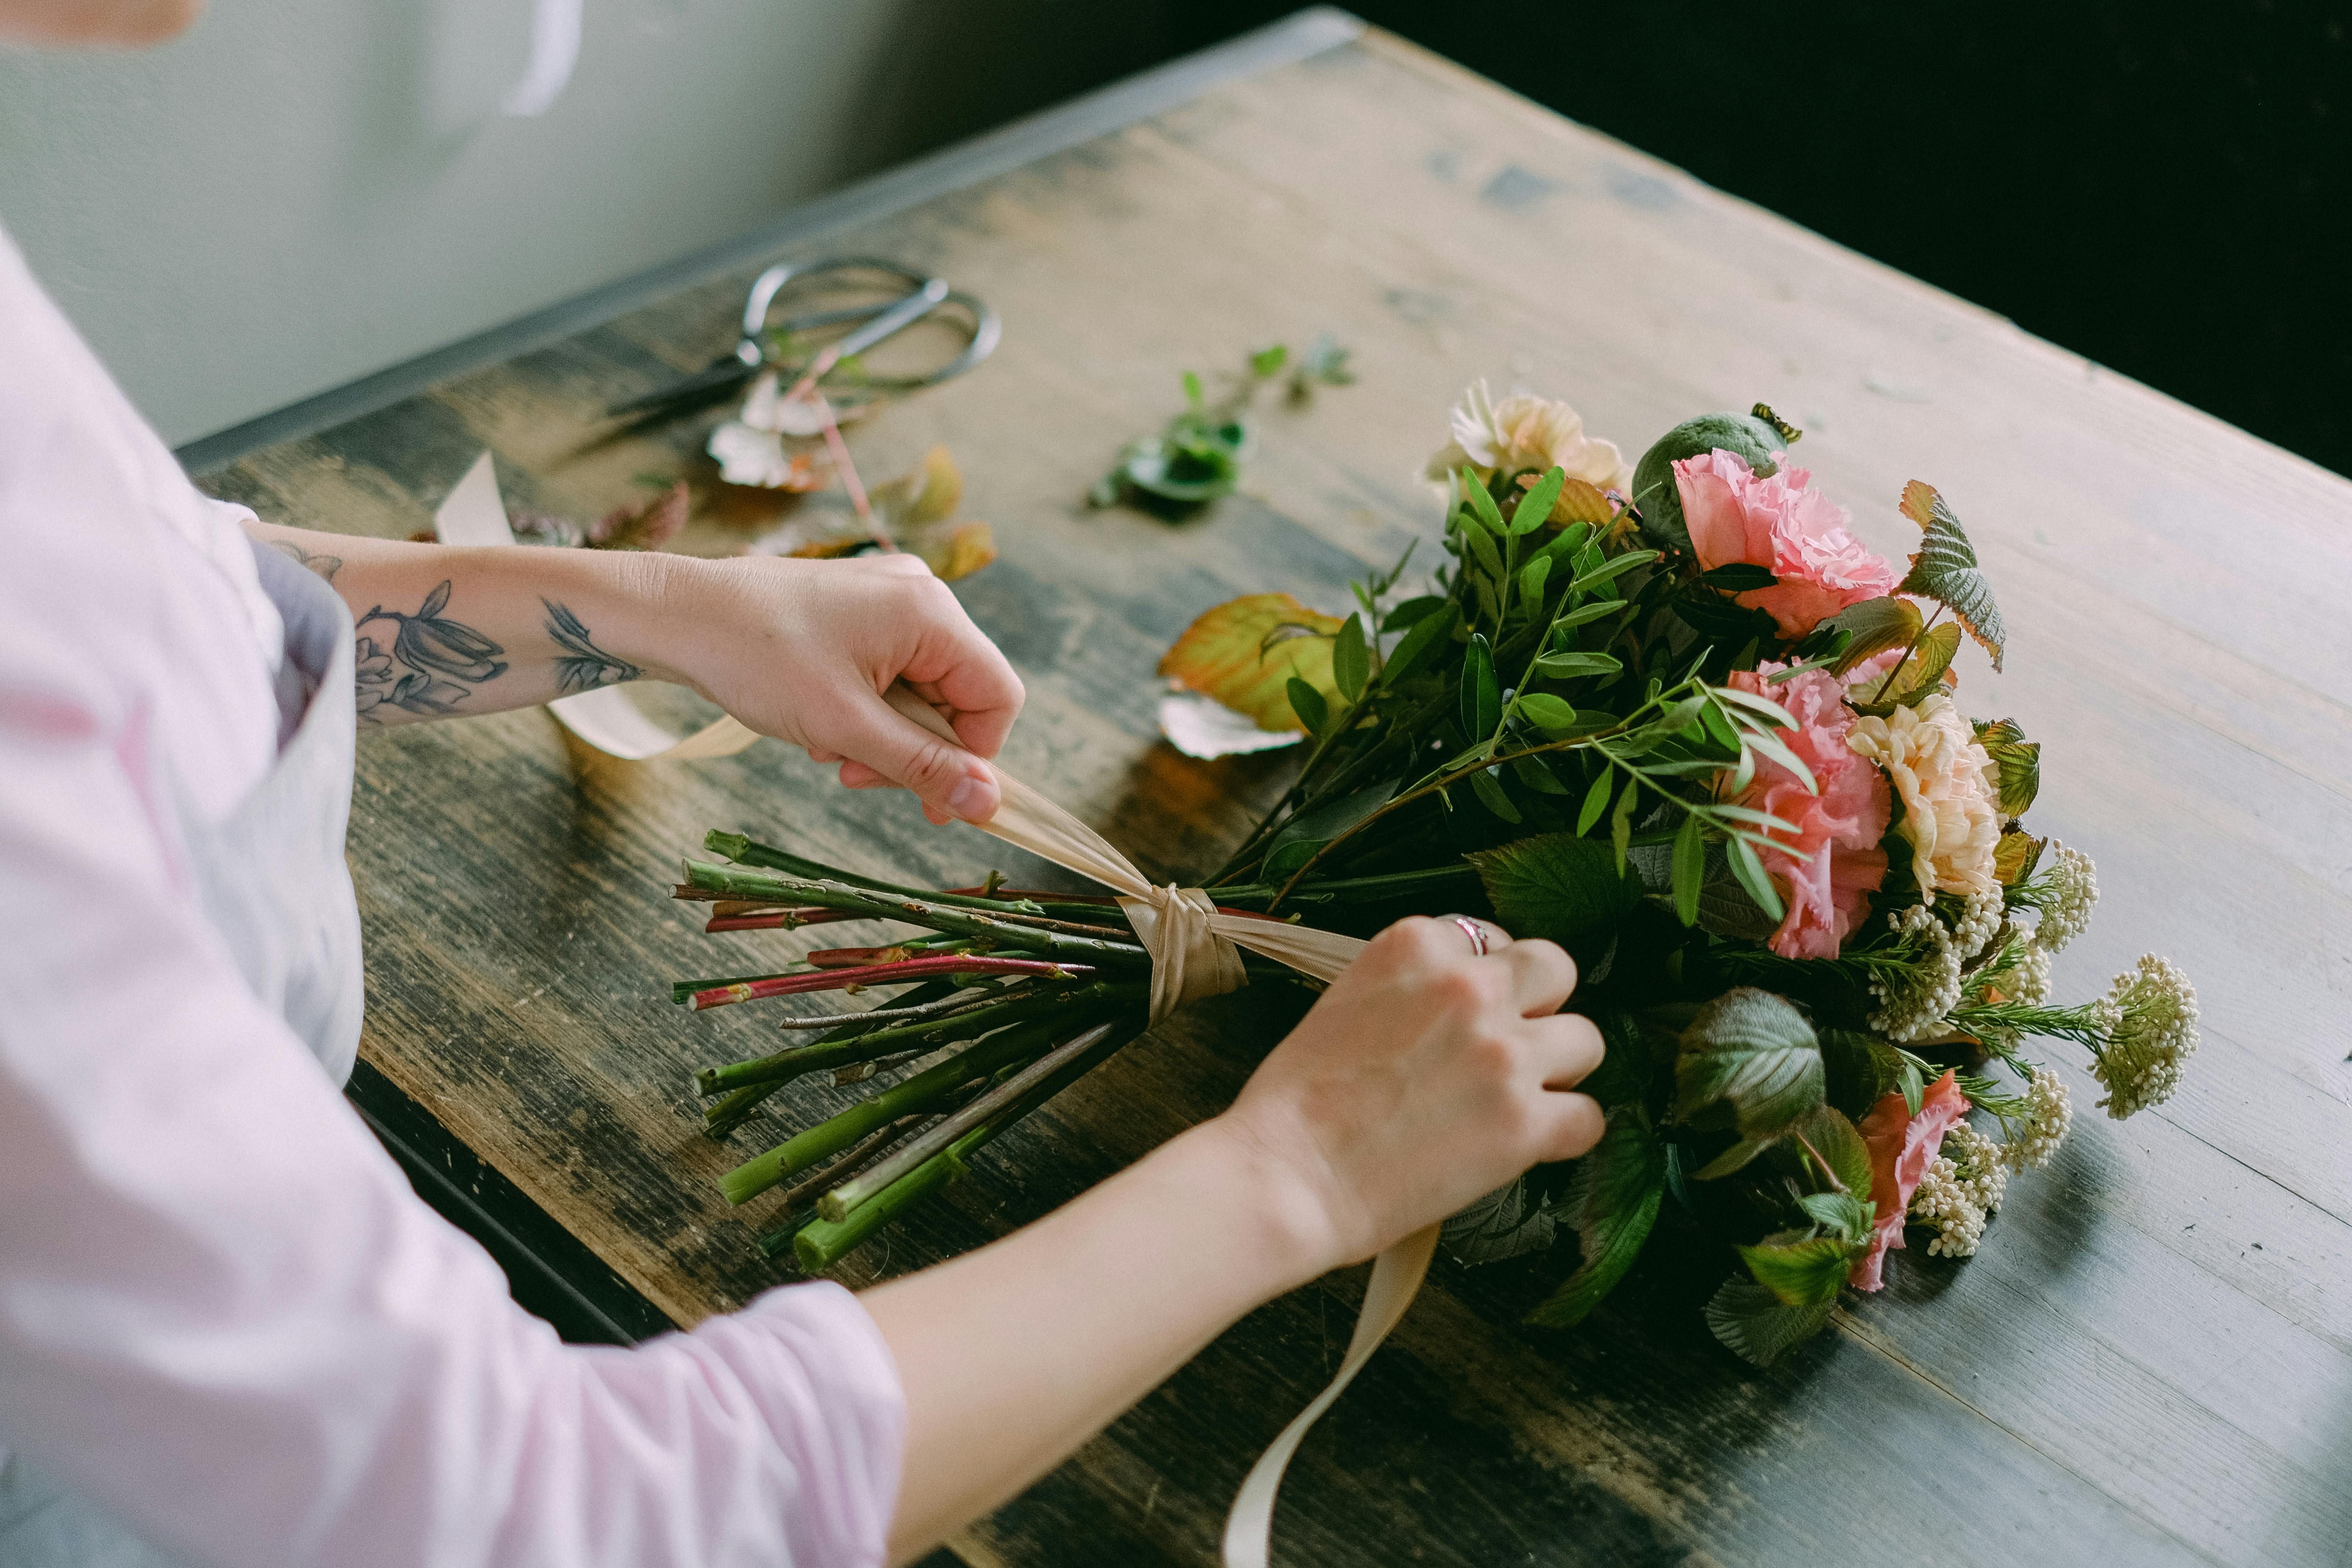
[{"x": 1476, "y": 933}]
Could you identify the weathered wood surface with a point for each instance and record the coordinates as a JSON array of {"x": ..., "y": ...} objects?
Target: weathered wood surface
[{"x": 2151, "y": 1361}]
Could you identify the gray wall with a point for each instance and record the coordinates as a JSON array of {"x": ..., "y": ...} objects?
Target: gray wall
[{"x": 299, "y": 192}]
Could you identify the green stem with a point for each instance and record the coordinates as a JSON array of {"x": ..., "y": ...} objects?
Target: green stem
[
  {"x": 748, "y": 851},
  {"x": 719, "y": 1120},
  {"x": 920, "y": 1092},
  {"x": 925, "y": 911}
]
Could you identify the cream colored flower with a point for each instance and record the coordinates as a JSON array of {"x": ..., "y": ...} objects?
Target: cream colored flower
[
  {"x": 1525, "y": 431},
  {"x": 1947, "y": 786}
]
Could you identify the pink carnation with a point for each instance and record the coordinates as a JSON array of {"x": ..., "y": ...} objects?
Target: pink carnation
[
  {"x": 1834, "y": 864},
  {"x": 1902, "y": 1146},
  {"x": 1796, "y": 533}
]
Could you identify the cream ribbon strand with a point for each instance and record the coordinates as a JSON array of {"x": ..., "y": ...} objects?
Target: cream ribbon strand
[
  {"x": 1193, "y": 949},
  {"x": 1192, "y": 954}
]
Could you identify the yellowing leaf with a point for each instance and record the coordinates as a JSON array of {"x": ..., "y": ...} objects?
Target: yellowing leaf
[
  {"x": 1244, "y": 652},
  {"x": 928, "y": 492},
  {"x": 1582, "y": 501},
  {"x": 958, "y": 551}
]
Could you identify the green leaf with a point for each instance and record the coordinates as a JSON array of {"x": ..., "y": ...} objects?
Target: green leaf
[
  {"x": 1616, "y": 566},
  {"x": 1546, "y": 712},
  {"x": 1308, "y": 703},
  {"x": 1532, "y": 579},
  {"x": 1481, "y": 697},
  {"x": 2016, "y": 760},
  {"x": 1266, "y": 363},
  {"x": 1482, "y": 505},
  {"x": 1490, "y": 790},
  {"x": 1621, "y": 825},
  {"x": 1842, "y": 1214},
  {"x": 1592, "y": 612},
  {"x": 1917, "y": 678},
  {"x": 1412, "y": 612},
  {"x": 1807, "y": 1273},
  {"x": 1532, "y": 773},
  {"x": 1352, "y": 662},
  {"x": 1828, "y": 1133},
  {"x": 1946, "y": 570},
  {"x": 1536, "y": 506},
  {"x": 1501, "y": 1225},
  {"x": 1612, "y": 1202},
  {"x": 1874, "y": 625},
  {"x": 1775, "y": 748},
  {"x": 1302, "y": 837},
  {"x": 1596, "y": 801},
  {"x": 1747, "y": 1058},
  {"x": 1760, "y": 709},
  {"x": 1428, "y": 634},
  {"x": 1191, "y": 384},
  {"x": 2015, "y": 853},
  {"x": 1483, "y": 547},
  {"x": 1555, "y": 886},
  {"x": 1690, "y": 868},
  {"x": 1757, "y": 1326},
  {"x": 1738, "y": 577},
  {"x": 1573, "y": 665},
  {"x": 1749, "y": 869}
]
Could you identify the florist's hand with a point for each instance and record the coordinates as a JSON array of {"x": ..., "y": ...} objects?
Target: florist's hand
[
  {"x": 1426, "y": 1077},
  {"x": 804, "y": 650}
]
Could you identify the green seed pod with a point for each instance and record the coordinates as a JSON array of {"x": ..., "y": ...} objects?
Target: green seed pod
[{"x": 1754, "y": 438}]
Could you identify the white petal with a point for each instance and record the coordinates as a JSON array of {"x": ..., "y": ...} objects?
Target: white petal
[
  {"x": 1199, "y": 726},
  {"x": 748, "y": 457}
]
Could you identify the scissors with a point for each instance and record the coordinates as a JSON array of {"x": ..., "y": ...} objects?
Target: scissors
[{"x": 765, "y": 344}]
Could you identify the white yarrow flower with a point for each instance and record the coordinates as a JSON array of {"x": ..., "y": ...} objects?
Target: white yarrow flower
[
  {"x": 1981, "y": 1171},
  {"x": 2028, "y": 984},
  {"x": 2152, "y": 1014},
  {"x": 1913, "y": 1009},
  {"x": 2048, "y": 1115},
  {"x": 1944, "y": 1202},
  {"x": 2072, "y": 893}
]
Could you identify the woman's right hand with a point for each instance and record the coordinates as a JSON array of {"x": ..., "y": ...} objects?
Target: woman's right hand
[{"x": 1426, "y": 1077}]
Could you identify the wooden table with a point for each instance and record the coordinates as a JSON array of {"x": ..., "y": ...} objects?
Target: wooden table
[{"x": 2151, "y": 1360}]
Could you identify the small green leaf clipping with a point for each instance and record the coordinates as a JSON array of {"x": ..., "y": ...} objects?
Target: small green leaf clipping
[
  {"x": 1575, "y": 665},
  {"x": 1612, "y": 1202},
  {"x": 1547, "y": 713},
  {"x": 1748, "y": 1059},
  {"x": 1802, "y": 1271},
  {"x": 1596, "y": 801},
  {"x": 2017, "y": 761},
  {"x": 1482, "y": 698},
  {"x": 1352, "y": 663},
  {"x": 1482, "y": 503},
  {"x": 1555, "y": 886},
  {"x": 1689, "y": 868},
  {"x": 1757, "y": 1326},
  {"x": 1192, "y": 394},
  {"x": 1308, "y": 703},
  {"x": 1536, "y": 506},
  {"x": 1946, "y": 569},
  {"x": 1267, "y": 363}
]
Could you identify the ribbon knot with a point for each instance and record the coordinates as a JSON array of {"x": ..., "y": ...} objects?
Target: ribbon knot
[{"x": 1190, "y": 959}]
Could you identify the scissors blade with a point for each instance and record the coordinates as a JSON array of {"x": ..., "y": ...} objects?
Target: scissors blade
[{"x": 911, "y": 309}]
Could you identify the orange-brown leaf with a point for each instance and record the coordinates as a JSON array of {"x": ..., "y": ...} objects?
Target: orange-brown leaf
[{"x": 1244, "y": 653}]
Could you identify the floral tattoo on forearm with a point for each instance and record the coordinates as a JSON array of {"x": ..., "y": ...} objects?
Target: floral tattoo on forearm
[
  {"x": 433, "y": 662},
  {"x": 582, "y": 666}
]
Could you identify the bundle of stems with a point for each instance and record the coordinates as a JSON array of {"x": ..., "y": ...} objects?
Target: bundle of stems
[{"x": 1007, "y": 997}]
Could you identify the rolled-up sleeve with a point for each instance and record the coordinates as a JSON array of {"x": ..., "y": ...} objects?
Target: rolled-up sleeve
[{"x": 224, "y": 1316}]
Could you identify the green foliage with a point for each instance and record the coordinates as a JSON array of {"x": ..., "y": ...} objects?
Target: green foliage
[
  {"x": 1689, "y": 868},
  {"x": 1918, "y": 677},
  {"x": 1491, "y": 794},
  {"x": 1420, "y": 645},
  {"x": 1308, "y": 703},
  {"x": 1946, "y": 570},
  {"x": 1757, "y": 1326},
  {"x": 1749, "y": 437},
  {"x": 1555, "y": 886},
  {"x": 2018, "y": 761},
  {"x": 1199, "y": 454},
  {"x": 1612, "y": 1202},
  {"x": 1504, "y": 1224},
  {"x": 1800, "y": 1271},
  {"x": 1749, "y": 1061},
  {"x": 1352, "y": 663},
  {"x": 1535, "y": 507},
  {"x": 1868, "y": 628},
  {"x": 1828, "y": 1134},
  {"x": 1481, "y": 697}
]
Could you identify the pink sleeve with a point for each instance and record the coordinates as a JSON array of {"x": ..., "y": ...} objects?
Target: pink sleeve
[{"x": 224, "y": 1316}]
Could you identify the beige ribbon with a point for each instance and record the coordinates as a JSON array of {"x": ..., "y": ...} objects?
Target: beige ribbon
[
  {"x": 1194, "y": 952},
  {"x": 1192, "y": 949}
]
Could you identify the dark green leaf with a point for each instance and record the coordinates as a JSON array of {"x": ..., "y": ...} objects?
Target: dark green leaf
[
  {"x": 1827, "y": 1132},
  {"x": 1757, "y": 1326},
  {"x": 1807, "y": 1273},
  {"x": 1616, "y": 566},
  {"x": 1946, "y": 569},
  {"x": 1621, "y": 825},
  {"x": 1593, "y": 612},
  {"x": 1547, "y": 712},
  {"x": 1572, "y": 666},
  {"x": 1738, "y": 577},
  {"x": 1690, "y": 868},
  {"x": 1612, "y": 1202},
  {"x": 1532, "y": 773},
  {"x": 1481, "y": 545},
  {"x": 1501, "y": 1225},
  {"x": 1412, "y": 612},
  {"x": 1748, "y": 1059},
  {"x": 1481, "y": 697},
  {"x": 1490, "y": 790},
  {"x": 1749, "y": 869},
  {"x": 1428, "y": 634},
  {"x": 1535, "y": 505},
  {"x": 1555, "y": 886},
  {"x": 1596, "y": 801},
  {"x": 1308, "y": 703},
  {"x": 1302, "y": 837},
  {"x": 1531, "y": 582},
  {"x": 1352, "y": 663}
]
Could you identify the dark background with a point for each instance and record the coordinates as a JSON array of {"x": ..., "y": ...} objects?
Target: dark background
[{"x": 2163, "y": 187}]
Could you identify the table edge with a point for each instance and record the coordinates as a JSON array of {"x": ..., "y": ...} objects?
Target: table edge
[{"x": 1305, "y": 33}]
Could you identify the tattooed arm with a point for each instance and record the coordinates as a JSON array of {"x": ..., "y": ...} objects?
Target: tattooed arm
[{"x": 798, "y": 649}]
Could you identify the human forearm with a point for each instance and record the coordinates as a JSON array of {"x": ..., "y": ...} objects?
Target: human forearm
[
  {"x": 447, "y": 631},
  {"x": 1014, "y": 1355}
]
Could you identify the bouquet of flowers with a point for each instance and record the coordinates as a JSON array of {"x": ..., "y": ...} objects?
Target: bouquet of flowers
[{"x": 1675, "y": 717}]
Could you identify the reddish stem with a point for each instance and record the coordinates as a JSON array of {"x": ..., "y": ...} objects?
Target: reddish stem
[
  {"x": 777, "y": 919},
  {"x": 956, "y": 964}
]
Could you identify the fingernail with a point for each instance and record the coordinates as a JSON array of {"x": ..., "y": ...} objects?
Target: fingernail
[{"x": 974, "y": 800}]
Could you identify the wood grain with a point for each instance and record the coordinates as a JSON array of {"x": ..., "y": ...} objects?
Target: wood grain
[{"x": 2151, "y": 1360}]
